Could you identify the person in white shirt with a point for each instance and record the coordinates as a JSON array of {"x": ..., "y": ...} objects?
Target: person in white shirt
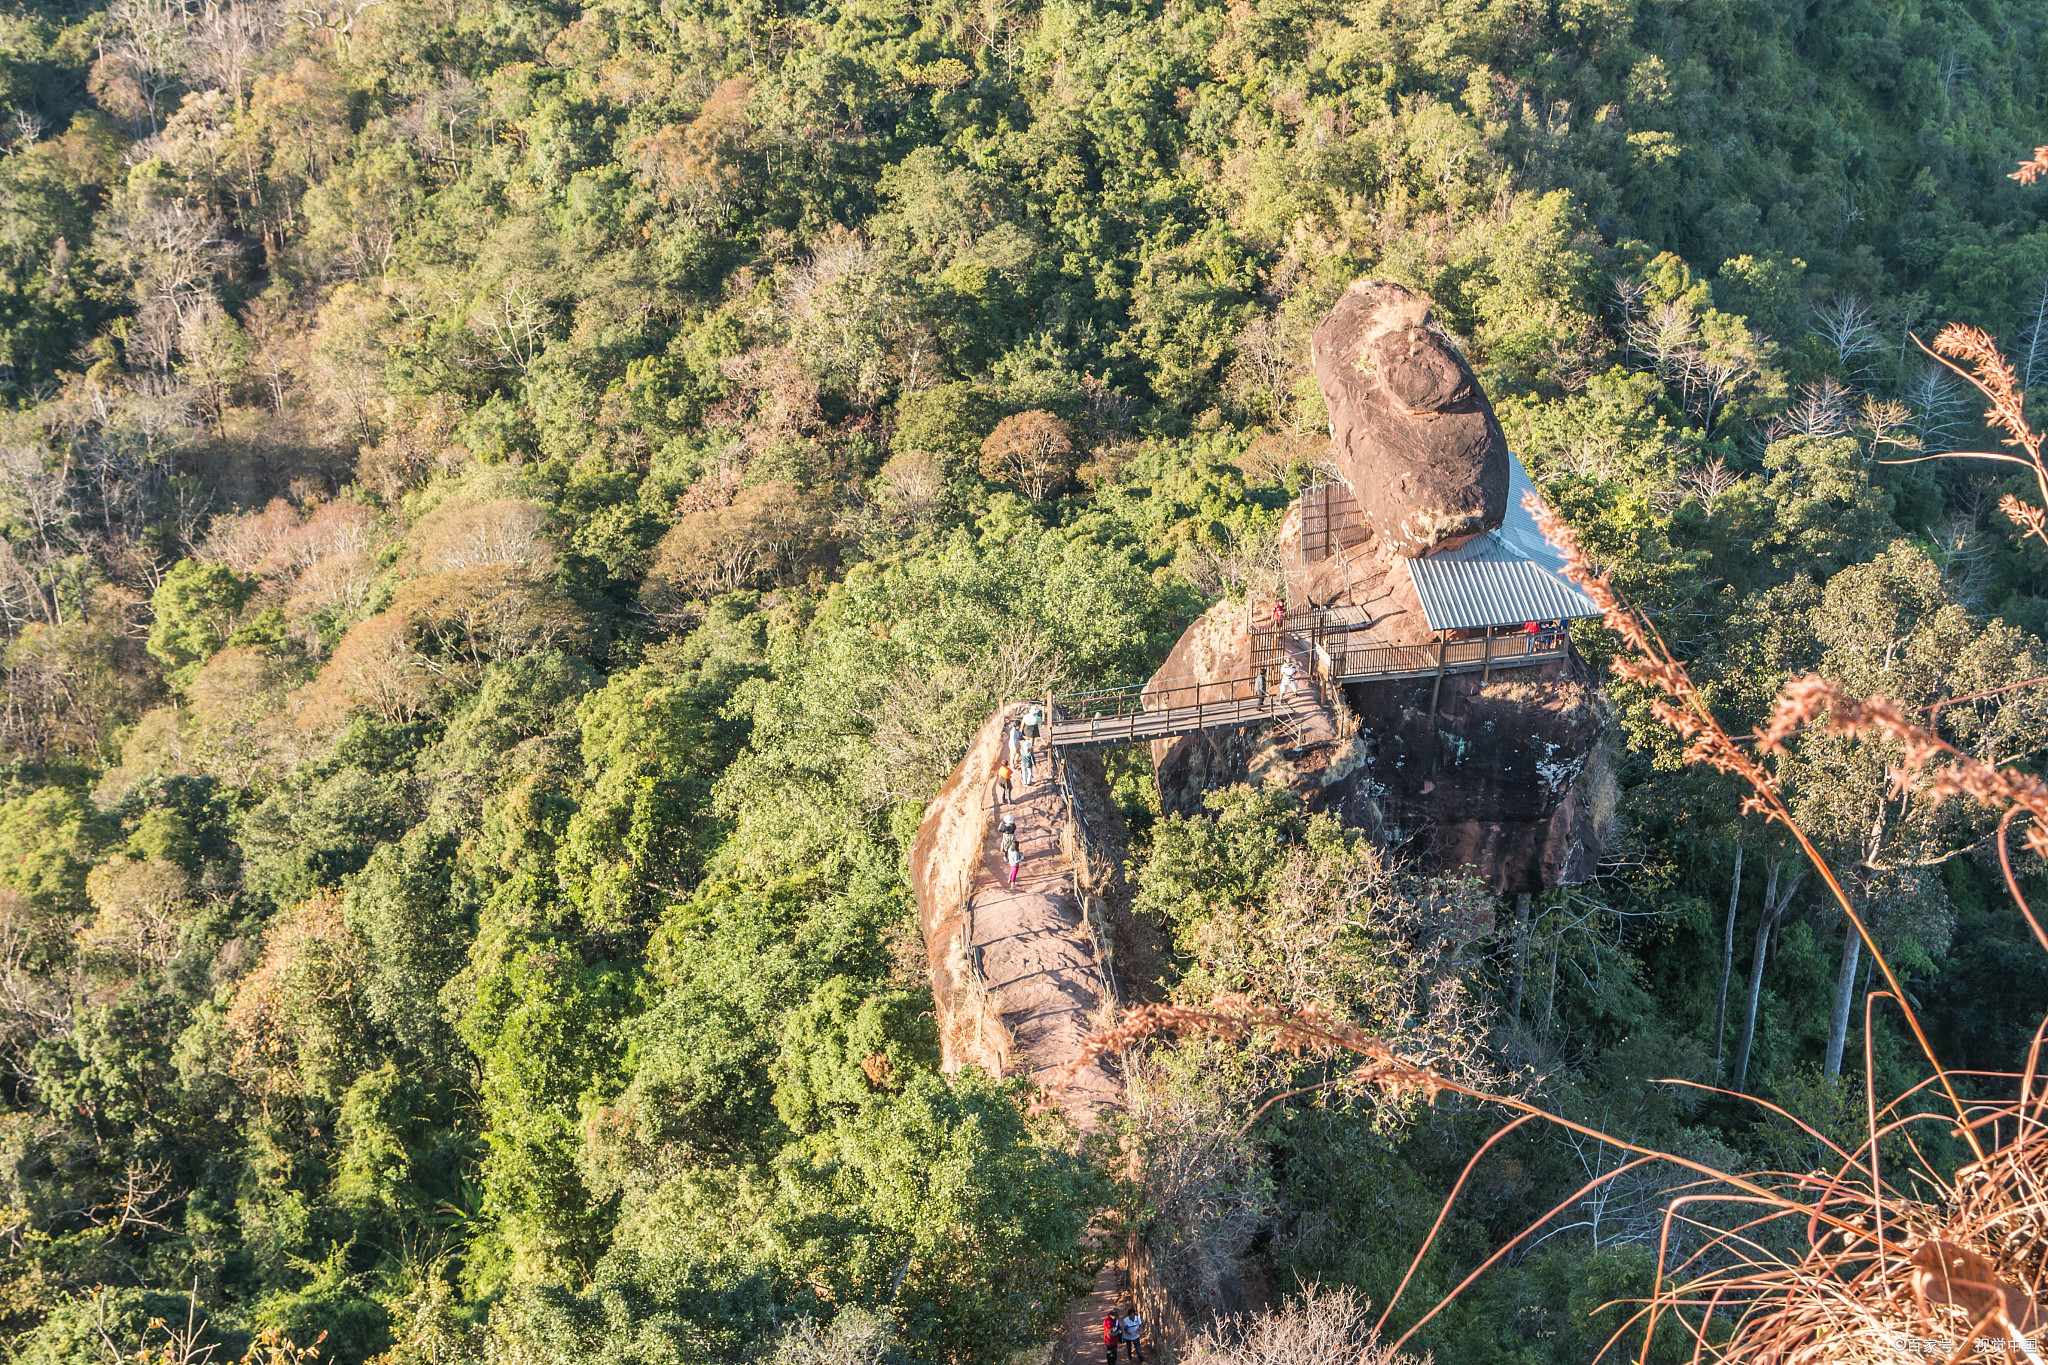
[{"x": 1130, "y": 1329}]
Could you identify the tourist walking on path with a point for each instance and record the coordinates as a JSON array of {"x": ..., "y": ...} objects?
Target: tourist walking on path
[
  {"x": 1025, "y": 763},
  {"x": 1259, "y": 685},
  {"x": 1289, "y": 678},
  {"x": 1109, "y": 1338},
  {"x": 1033, "y": 718},
  {"x": 1002, "y": 784},
  {"x": 1008, "y": 843},
  {"x": 1130, "y": 1329}
]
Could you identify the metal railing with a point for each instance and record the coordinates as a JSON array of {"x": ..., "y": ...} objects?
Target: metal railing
[
  {"x": 1352, "y": 662},
  {"x": 1143, "y": 711},
  {"x": 1142, "y": 698},
  {"x": 1131, "y": 714}
]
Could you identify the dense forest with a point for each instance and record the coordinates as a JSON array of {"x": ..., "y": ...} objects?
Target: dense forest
[{"x": 509, "y": 511}]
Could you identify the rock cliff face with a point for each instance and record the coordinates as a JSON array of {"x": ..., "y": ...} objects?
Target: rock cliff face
[
  {"x": 1511, "y": 781},
  {"x": 1507, "y": 777}
]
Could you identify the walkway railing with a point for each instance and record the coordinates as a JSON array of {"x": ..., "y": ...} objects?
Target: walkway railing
[
  {"x": 1131, "y": 715},
  {"x": 1142, "y": 713},
  {"x": 1360, "y": 662}
]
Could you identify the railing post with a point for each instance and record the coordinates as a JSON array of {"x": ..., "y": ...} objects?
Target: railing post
[{"x": 1486, "y": 674}]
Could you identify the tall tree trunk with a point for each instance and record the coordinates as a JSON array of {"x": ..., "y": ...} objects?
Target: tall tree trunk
[
  {"x": 1727, "y": 964},
  {"x": 1852, "y": 948},
  {"x": 1521, "y": 953},
  {"x": 1775, "y": 901},
  {"x": 1845, "y": 996}
]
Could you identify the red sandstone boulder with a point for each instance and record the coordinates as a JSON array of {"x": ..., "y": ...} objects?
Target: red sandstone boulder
[{"x": 1411, "y": 430}]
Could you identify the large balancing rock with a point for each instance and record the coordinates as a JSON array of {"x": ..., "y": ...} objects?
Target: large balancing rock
[{"x": 1411, "y": 430}]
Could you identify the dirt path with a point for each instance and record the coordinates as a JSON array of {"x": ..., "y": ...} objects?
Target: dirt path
[
  {"x": 1036, "y": 953},
  {"x": 1084, "y": 1320},
  {"x": 1040, "y": 964}
]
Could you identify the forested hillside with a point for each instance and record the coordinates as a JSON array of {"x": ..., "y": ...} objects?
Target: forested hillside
[{"x": 511, "y": 511}]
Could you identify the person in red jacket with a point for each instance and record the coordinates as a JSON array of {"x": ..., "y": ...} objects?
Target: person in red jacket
[{"x": 1109, "y": 1338}]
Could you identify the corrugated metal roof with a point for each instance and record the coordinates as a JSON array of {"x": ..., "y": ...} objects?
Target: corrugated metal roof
[
  {"x": 1501, "y": 578},
  {"x": 1518, "y": 528}
]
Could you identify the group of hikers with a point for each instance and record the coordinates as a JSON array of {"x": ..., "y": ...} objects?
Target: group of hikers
[
  {"x": 1017, "y": 762},
  {"x": 1290, "y": 671},
  {"x": 1290, "y": 680},
  {"x": 1127, "y": 1329}
]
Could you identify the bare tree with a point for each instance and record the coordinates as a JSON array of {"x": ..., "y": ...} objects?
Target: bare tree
[
  {"x": 1955, "y": 73},
  {"x": 215, "y": 353},
  {"x": 1727, "y": 960},
  {"x": 146, "y": 44},
  {"x": 1845, "y": 323},
  {"x": 1665, "y": 335},
  {"x": 441, "y": 123},
  {"x": 227, "y": 39},
  {"x": 1242, "y": 566},
  {"x": 1821, "y": 410},
  {"x": 514, "y": 324},
  {"x": 1966, "y": 555},
  {"x": 160, "y": 1343},
  {"x": 1709, "y": 481},
  {"x": 1272, "y": 357},
  {"x": 910, "y": 488},
  {"x": 856, "y": 1336},
  {"x": 849, "y": 322},
  {"x": 470, "y": 535},
  {"x": 35, "y": 489},
  {"x": 1628, "y": 303},
  {"x": 1710, "y": 377},
  {"x": 1319, "y": 1327},
  {"x": 36, "y": 996},
  {"x": 173, "y": 249},
  {"x": 28, "y": 126},
  {"x": 275, "y": 348},
  {"x": 1888, "y": 422},
  {"x": 2033, "y": 338},
  {"x": 1936, "y": 399}
]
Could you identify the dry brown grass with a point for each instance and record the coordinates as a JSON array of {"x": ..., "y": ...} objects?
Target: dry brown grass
[{"x": 1970, "y": 353}]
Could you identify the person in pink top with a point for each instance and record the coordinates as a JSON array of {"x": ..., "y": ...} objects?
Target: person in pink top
[{"x": 1012, "y": 853}]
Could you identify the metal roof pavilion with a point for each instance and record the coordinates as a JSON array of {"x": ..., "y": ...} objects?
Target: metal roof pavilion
[{"x": 1504, "y": 577}]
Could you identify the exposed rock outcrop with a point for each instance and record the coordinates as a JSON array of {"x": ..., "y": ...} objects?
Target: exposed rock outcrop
[
  {"x": 1507, "y": 777},
  {"x": 1017, "y": 968},
  {"x": 1306, "y": 755},
  {"x": 946, "y": 860},
  {"x": 1512, "y": 781}
]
